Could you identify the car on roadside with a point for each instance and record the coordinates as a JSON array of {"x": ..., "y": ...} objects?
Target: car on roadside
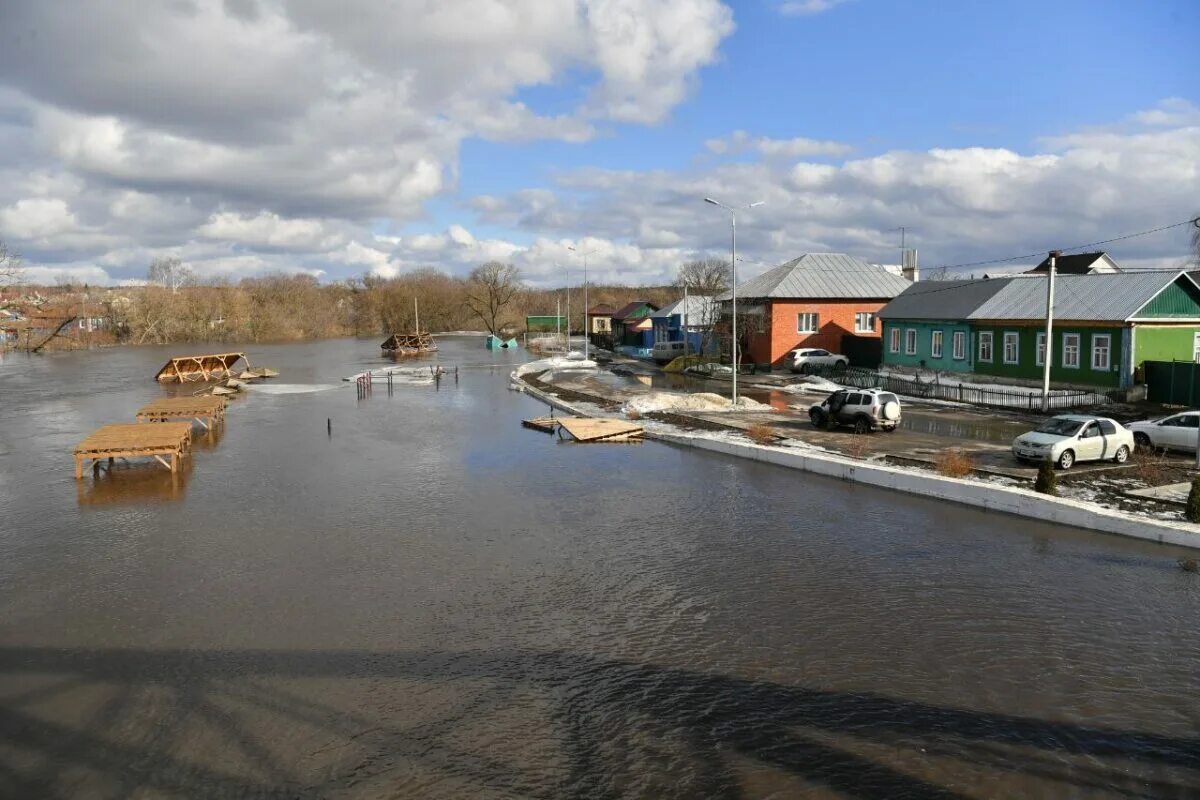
[
  {"x": 1176, "y": 432},
  {"x": 1067, "y": 439},
  {"x": 808, "y": 359},
  {"x": 865, "y": 410},
  {"x": 666, "y": 352}
]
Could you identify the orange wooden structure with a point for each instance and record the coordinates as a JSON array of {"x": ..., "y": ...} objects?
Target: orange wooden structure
[
  {"x": 211, "y": 367},
  {"x": 208, "y": 411},
  {"x": 132, "y": 440}
]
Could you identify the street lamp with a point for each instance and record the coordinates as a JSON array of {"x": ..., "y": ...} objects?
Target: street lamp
[
  {"x": 585, "y": 254},
  {"x": 733, "y": 265}
]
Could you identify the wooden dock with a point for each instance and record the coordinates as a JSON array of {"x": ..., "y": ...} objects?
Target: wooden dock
[
  {"x": 208, "y": 411},
  {"x": 588, "y": 429},
  {"x": 133, "y": 440},
  {"x": 190, "y": 369}
]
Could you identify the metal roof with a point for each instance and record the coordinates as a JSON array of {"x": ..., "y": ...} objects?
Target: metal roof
[
  {"x": 626, "y": 310},
  {"x": 698, "y": 308},
  {"x": 824, "y": 275},
  {"x": 1099, "y": 298},
  {"x": 946, "y": 300}
]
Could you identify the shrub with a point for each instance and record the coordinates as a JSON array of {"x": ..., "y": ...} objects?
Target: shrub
[
  {"x": 1192, "y": 510},
  {"x": 954, "y": 463},
  {"x": 1189, "y": 565},
  {"x": 1047, "y": 479},
  {"x": 760, "y": 434},
  {"x": 1152, "y": 469},
  {"x": 859, "y": 446}
]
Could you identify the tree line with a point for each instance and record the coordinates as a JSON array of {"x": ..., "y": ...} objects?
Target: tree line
[{"x": 175, "y": 307}]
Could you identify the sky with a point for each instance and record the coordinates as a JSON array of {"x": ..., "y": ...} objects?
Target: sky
[{"x": 248, "y": 137}]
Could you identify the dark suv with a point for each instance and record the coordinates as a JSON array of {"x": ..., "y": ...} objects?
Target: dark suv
[{"x": 865, "y": 409}]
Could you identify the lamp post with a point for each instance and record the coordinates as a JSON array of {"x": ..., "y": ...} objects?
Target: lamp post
[
  {"x": 733, "y": 266},
  {"x": 585, "y": 254}
]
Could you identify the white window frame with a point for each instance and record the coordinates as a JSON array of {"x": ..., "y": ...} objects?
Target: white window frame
[
  {"x": 986, "y": 336},
  {"x": 1067, "y": 338},
  {"x": 1039, "y": 356},
  {"x": 1196, "y": 347},
  {"x": 1107, "y": 337},
  {"x": 910, "y": 341},
  {"x": 958, "y": 345},
  {"x": 870, "y": 327},
  {"x": 937, "y": 341},
  {"x": 1015, "y": 338},
  {"x": 800, "y": 320},
  {"x": 894, "y": 340}
]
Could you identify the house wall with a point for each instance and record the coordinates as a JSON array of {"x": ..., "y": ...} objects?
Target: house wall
[
  {"x": 925, "y": 329},
  {"x": 1163, "y": 343},
  {"x": 836, "y": 317},
  {"x": 1027, "y": 367}
]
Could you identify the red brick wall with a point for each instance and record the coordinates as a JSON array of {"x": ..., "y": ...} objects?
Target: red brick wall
[{"x": 836, "y": 318}]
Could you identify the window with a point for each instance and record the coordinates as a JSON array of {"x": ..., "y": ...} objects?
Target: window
[
  {"x": 1070, "y": 358},
  {"x": 985, "y": 346},
  {"x": 1011, "y": 353},
  {"x": 864, "y": 322},
  {"x": 910, "y": 342},
  {"x": 1107, "y": 428},
  {"x": 959, "y": 345},
  {"x": 1090, "y": 432},
  {"x": 807, "y": 322},
  {"x": 1041, "y": 350},
  {"x": 894, "y": 345},
  {"x": 935, "y": 344},
  {"x": 1101, "y": 351},
  {"x": 1196, "y": 347},
  {"x": 854, "y": 400}
]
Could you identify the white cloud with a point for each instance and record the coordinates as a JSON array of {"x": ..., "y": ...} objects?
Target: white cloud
[
  {"x": 808, "y": 7},
  {"x": 798, "y": 147},
  {"x": 36, "y": 218},
  {"x": 268, "y": 229}
]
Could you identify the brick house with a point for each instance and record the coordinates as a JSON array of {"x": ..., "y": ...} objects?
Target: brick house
[{"x": 816, "y": 300}]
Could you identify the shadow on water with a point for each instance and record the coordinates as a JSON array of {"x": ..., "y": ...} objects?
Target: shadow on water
[
  {"x": 133, "y": 483},
  {"x": 623, "y": 729}
]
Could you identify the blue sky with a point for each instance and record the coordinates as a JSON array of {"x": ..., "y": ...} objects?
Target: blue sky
[{"x": 373, "y": 137}]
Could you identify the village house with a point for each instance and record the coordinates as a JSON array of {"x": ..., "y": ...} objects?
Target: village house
[
  {"x": 695, "y": 313},
  {"x": 599, "y": 319},
  {"x": 632, "y": 325},
  {"x": 825, "y": 300},
  {"x": 1106, "y": 325}
]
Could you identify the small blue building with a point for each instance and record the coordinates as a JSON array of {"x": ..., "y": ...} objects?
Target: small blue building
[{"x": 697, "y": 313}]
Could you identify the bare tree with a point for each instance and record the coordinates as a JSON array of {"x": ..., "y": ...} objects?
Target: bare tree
[
  {"x": 707, "y": 276},
  {"x": 170, "y": 273},
  {"x": 1196, "y": 239},
  {"x": 10, "y": 266},
  {"x": 490, "y": 289}
]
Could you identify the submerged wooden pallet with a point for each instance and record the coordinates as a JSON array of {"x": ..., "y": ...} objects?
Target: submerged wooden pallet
[
  {"x": 409, "y": 344},
  {"x": 591, "y": 429},
  {"x": 208, "y": 411},
  {"x": 543, "y": 424},
  {"x": 211, "y": 367},
  {"x": 133, "y": 440}
]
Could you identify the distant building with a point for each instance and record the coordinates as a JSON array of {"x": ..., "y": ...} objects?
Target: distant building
[
  {"x": 696, "y": 314},
  {"x": 632, "y": 326},
  {"x": 600, "y": 319},
  {"x": 1078, "y": 264}
]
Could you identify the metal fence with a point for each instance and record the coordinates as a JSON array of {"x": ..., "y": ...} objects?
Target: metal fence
[
  {"x": 1173, "y": 382},
  {"x": 1027, "y": 400}
]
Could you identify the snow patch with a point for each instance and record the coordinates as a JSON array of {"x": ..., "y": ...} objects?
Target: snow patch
[
  {"x": 572, "y": 361},
  {"x": 701, "y": 401}
]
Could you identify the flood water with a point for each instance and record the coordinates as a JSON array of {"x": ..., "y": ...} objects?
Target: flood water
[{"x": 433, "y": 602}]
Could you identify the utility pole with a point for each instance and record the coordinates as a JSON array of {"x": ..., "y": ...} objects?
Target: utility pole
[
  {"x": 733, "y": 268},
  {"x": 685, "y": 320},
  {"x": 417, "y": 316},
  {"x": 557, "y": 319},
  {"x": 1049, "y": 356},
  {"x": 586, "y": 332}
]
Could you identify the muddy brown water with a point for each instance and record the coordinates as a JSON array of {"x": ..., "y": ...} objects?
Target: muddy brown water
[{"x": 433, "y": 602}]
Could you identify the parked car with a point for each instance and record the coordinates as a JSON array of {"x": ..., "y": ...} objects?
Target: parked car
[
  {"x": 805, "y": 358},
  {"x": 666, "y": 352},
  {"x": 1070, "y": 438},
  {"x": 864, "y": 409},
  {"x": 1176, "y": 432}
]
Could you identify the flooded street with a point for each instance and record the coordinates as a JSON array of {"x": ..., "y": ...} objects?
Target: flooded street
[{"x": 425, "y": 600}]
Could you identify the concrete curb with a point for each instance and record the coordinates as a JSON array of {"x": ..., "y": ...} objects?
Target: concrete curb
[{"x": 1005, "y": 499}]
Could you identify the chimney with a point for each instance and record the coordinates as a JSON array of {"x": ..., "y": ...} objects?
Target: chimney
[{"x": 909, "y": 268}]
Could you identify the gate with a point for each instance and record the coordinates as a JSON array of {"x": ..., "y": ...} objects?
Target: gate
[{"x": 1173, "y": 382}]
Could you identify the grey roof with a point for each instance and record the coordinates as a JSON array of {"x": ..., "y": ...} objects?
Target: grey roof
[
  {"x": 947, "y": 300},
  {"x": 1101, "y": 297},
  {"x": 824, "y": 276},
  {"x": 698, "y": 306}
]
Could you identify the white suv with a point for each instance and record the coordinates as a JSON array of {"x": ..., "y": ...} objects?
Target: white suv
[
  {"x": 865, "y": 409},
  {"x": 804, "y": 359}
]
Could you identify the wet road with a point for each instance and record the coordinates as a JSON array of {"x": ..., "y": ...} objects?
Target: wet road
[{"x": 434, "y": 602}]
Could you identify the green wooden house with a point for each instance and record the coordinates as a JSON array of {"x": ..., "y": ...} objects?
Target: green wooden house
[{"x": 1106, "y": 326}]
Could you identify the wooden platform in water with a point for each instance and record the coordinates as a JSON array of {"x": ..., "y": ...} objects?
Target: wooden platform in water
[
  {"x": 189, "y": 369},
  {"x": 590, "y": 429},
  {"x": 409, "y": 344},
  {"x": 135, "y": 440},
  {"x": 208, "y": 411},
  {"x": 543, "y": 424}
]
